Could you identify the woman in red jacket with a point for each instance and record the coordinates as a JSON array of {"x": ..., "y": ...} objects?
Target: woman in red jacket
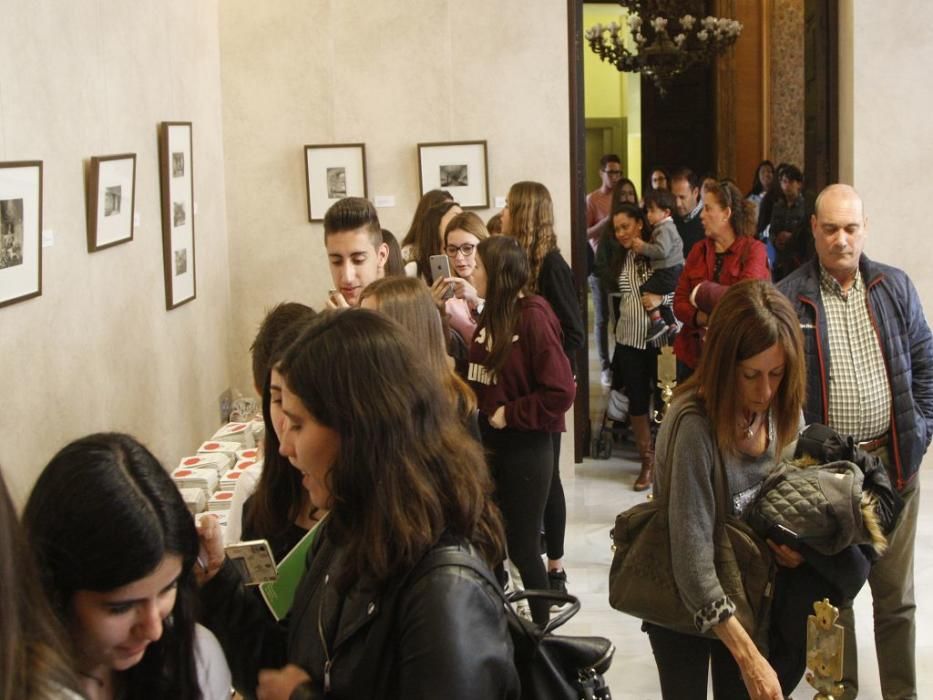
[
  {"x": 523, "y": 385},
  {"x": 728, "y": 254}
]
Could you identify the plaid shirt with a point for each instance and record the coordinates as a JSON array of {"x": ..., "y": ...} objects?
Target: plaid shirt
[{"x": 859, "y": 392}]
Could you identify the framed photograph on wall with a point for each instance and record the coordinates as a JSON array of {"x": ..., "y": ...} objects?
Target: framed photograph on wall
[
  {"x": 333, "y": 172},
  {"x": 457, "y": 166},
  {"x": 111, "y": 200},
  {"x": 20, "y": 231},
  {"x": 177, "y": 177}
]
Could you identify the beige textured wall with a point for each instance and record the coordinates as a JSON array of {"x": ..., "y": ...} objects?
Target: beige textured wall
[
  {"x": 98, "y": 351},
  {"x": 889, "y": 151},
  {"x": 787, "y": 82},
  {"x": 389, "y": 74}
]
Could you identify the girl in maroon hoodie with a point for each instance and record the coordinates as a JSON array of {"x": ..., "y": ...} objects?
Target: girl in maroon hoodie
[{"x": 524, "y": 385}]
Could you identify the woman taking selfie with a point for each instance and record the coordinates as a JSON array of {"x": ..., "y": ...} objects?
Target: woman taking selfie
[
  {"x": 462, "y": 235},
  {"x": 524, "y": 386},
  {"x": 116, "y": 548},
  {"x": 379, "y": 446},
  {"x": 745, "y": 400}
]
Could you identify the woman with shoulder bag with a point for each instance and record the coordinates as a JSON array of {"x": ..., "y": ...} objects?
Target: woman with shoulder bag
[{"x": 741, "y": 407}]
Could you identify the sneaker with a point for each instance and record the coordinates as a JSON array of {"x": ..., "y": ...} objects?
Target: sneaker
[
  {"x": 657, "y": 329},
  {"x": 673, "y": 330},
  {"x": 605, "y": 377},
  {"x": 557, "y": 581}
]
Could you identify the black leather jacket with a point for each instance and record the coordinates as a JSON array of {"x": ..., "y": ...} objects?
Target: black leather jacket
[{"x": 440, "y": 634}]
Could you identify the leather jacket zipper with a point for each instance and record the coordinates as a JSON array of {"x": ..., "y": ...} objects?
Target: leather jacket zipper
[{"x": 328, "y": 661}]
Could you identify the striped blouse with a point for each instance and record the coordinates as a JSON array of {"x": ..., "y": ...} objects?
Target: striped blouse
[{"x": 632, "y": 325}]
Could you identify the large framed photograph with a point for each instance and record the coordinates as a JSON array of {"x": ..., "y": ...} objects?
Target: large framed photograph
[
  {"x": 176, "y": 174},
  {"x": 111, "y": 200},
  {"x": 20, "y": 231},
  {"x": 333, "y": 172},
  {"x": 457, "y": 166}
]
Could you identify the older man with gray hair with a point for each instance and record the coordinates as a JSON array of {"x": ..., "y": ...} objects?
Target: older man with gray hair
[{"x": 870, "y": 375}]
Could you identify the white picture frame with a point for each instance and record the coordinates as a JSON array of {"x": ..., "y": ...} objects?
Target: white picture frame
[
  {"x": 460, "y": 167},
  {"x": 111, "y": 200},
  {"x": 332, "y": 172},
  {"x": 176, "y": 170},
  {"x": 20, "y": 231}
]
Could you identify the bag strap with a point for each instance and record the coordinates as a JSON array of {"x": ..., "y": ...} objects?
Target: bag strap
[{"x": 720, "y": 480}]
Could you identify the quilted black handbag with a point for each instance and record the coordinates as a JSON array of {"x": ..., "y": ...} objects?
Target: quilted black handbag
[{"x": 641, "y": 576}]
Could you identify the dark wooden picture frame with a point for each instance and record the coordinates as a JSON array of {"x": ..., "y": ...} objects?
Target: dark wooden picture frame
[
  {"x": 110, "y": 221},
  {"x": 20, "y": 231},
  {"x": 176, "y": 173},
  {"x": 332, "y": 172},
  {"x": 454, "y": 166}
]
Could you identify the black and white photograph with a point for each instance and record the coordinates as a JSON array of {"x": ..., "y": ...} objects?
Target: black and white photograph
[
  {"x": 112, "y": 200},
  {"x": 181, "y": 261},
  {"x": 458, "y": 166},
  {"x": 20, "y": 231},
  {"x": 11, "y": 232},
  {"x": 178, "y": 164},
  {"x": 176, "y": 174},
  {"x": 336, "y": 183},
  {"x": 333, "y": 171},
  {"x": 454, "y": 176},
  {"x": 111, "y": 192},
  {"x": 178, "y": 214}
]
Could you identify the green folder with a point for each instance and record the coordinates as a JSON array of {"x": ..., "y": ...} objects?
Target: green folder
[{"x": 280, "y": 594}]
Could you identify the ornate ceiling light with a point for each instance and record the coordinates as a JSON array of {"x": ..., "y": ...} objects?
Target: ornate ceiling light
[{"x": 666, "y": 39}]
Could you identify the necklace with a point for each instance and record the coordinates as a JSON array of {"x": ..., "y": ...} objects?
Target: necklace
[{"x": 749, "y": 427}]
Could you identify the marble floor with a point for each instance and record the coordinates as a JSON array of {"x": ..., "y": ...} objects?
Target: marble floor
[{"x": 598, "y": 489}]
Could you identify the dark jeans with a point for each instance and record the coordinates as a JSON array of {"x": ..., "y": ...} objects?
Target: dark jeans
[
  {"x": 555, "y": 510},
  {"x": 635, "y": 370},
  {"x": 684, "y": 662},
  {"x": 661, "y": 282},
  {"x": 522, "y": 463}
]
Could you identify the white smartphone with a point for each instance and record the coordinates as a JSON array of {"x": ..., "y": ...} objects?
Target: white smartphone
[
  {"x": 253, "y": 560},
  {"x": 440, "y": 267}
]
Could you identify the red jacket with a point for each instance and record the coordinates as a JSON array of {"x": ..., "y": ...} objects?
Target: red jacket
[{"x": 745, "y": 259}]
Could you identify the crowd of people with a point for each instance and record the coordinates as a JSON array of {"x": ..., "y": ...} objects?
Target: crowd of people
[{"x": 418, "y": 414}]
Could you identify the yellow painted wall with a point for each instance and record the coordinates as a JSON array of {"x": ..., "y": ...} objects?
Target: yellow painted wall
[{"x": 609, "y": 93}]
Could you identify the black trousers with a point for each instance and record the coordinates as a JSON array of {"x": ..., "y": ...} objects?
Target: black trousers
[
  {"x": 522, "y": 464},
  {"x": 555, "y": 510},
  {"x": 684, "y": 662}
]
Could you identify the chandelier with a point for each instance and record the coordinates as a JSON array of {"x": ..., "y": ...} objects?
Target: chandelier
[{"x": 666, "y": 39}]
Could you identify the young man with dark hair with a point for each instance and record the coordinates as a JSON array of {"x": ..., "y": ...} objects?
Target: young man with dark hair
[
  {"x": 790, "y": 219},
  {"x": 355, "y": 249},
  {"x": 598, "y": 204},
  {"x": 685, "y": 186}
]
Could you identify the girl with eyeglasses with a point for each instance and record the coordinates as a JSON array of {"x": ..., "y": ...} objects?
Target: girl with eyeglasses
[{"x": 461, "y": 237}]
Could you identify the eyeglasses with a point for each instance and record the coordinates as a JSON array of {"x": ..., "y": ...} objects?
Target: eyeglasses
[
  {"x": 467, "y": 250},
  {"x": 613, "y": 173}
]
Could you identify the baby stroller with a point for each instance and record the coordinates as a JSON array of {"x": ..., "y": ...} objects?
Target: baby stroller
[{"x": 616, "y": 414}]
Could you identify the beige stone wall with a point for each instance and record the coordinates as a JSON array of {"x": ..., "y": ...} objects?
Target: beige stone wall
[
  {"x": 391, "y": 75},
  {"x": 98, "y": 351},
  {"x": 787, "y": 82}
]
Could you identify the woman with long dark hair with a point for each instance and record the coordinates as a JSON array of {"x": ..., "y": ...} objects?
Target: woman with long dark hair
[
  {"x": 528, "y": 217},
  {"x": 426, "y": 237},
  {"x": 524, "y": 386},
  {"x": 32, "y": 665},
  {"x": 380, "y": 447},
  {"x": 116, "y": 549}
]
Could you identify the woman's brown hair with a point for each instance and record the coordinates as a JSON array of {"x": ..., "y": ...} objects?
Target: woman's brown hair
[
  {"x": 728, "y": 196},
  {"x": 407, "y": 471},
  {"x": 751, "y": 317},
  {"x": 425, "y": 235},
  {"x": 531, "y": 223},
  {"x": 469, "y": 222},
  {"x": 507, "y": 272},
  {"x": 408, "y": 301},
  {"x": 31, "y": 663}
]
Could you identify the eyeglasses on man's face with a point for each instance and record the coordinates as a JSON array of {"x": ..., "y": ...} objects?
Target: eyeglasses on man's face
[
  {"x": 613, "y": 173},
  {"x": 466, "y": 249}
]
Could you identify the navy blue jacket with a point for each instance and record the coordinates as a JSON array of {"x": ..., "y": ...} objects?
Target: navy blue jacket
[{"x": 906, "y": 343}]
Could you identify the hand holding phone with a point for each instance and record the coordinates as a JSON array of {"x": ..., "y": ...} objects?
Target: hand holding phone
[{"x": 440, "y": 268}]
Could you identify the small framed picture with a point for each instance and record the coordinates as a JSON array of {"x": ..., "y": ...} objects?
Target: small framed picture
[
  {"x": 333, "y": 172},
  {"x": 20, "y": 231},
  {"x": 111, "y": 200},
  {"x": 457, "y": 166},
  {"x": 177, "y": 177}
]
